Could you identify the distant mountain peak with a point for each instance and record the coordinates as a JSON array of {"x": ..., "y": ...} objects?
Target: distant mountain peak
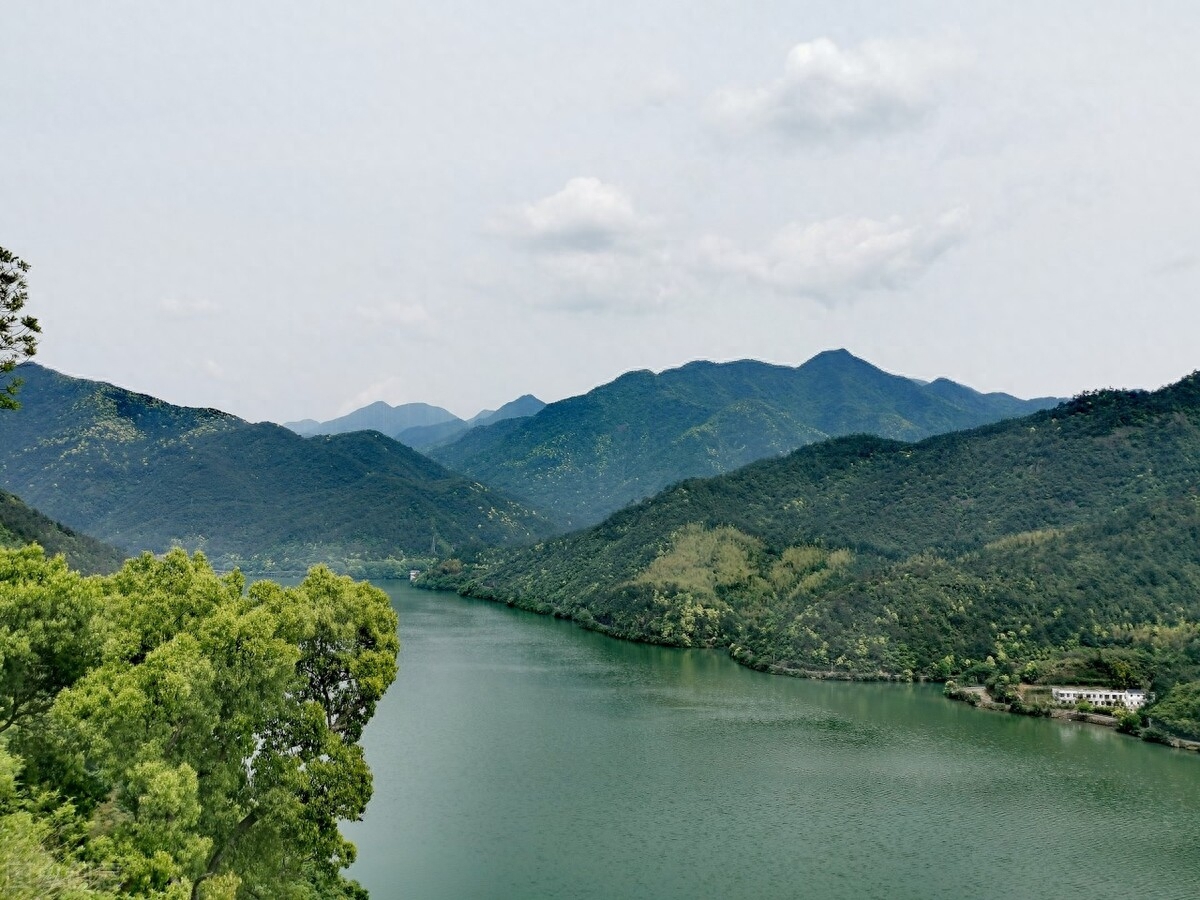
[{"x": 586, "y": 456}]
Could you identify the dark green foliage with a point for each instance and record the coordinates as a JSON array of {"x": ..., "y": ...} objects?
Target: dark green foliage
[
  {"x": 1065, "y": 545},
  {"x": 18, "y": 331},
  {"x": 143, "y": 474},
  {"x": 582, "y": 458},
  {"x": 20, "y": 525}
]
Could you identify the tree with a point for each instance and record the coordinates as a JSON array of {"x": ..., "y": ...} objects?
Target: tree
[
  {"x": 47, "y": 639},
  {"x": 211, "y": 749},
  {"x": 18, "y": 333}
]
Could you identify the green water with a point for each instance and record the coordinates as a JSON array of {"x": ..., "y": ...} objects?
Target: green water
[{"x": 521, "y": 757}]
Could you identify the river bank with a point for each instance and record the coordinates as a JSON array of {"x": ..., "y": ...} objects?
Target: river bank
[
  {"x": 978, "y": 697},
  {"x": 974, "y": 695}
]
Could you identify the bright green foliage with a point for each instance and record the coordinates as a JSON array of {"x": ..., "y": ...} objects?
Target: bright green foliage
[
  {"x": 47, "y": 632},
  {"x": 18, "y": 332},
  {"x": 1180, "y": 710},
  {"x": 210, "y": 747}
]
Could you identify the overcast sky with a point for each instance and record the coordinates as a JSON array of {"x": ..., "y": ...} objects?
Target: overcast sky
[{"x": 288, "y": 210}]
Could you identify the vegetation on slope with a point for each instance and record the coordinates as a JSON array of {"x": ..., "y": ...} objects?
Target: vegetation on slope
[
  {"x": 582, "y": 458},
  {"x": 168, "y": 733},
  {"x": 997, "y": 551},
  {"x": 20, "y": 525},
  {"x": 143, "y": 474}
]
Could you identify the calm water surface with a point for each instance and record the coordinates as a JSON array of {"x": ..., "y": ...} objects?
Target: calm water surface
[{"x": 521, "y": 757}]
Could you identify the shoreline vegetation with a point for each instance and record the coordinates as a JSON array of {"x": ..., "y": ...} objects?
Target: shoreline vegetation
[
  {"x": 1022, "y": 699},
  {"x": 1127, "y": 722}
]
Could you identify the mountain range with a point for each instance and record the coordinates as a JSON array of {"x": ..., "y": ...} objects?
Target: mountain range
[
  {"x": 140, "y": 473},
  {"x": 418, "y": 425},
  {"x": 1062, "y": 545},
  {"x": 582, "y": 458}
]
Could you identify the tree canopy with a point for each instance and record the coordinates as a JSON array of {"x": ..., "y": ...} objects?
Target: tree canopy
[
  {"x": 175, "y": 734},
  {"x": 18, "y": 332}
]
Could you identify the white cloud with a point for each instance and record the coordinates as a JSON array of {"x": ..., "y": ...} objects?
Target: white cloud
[
  {"x": 840, "y": 258},
  {"x": 188, "y": 309},
  {"x": 586, "y": 216},
  {"x": 589, "y": 250},
  {"x": 826, "y": 90},
  {"x": 213, "y": 369},
  {"x": 409, "y": 314}
]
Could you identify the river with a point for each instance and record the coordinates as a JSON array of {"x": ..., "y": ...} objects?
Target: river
[{"x": 518, "y": 756}]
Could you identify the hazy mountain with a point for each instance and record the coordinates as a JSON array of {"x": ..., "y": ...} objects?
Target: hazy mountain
[
  {"x": 423, "y": 437},
  {"x": 582, "y": 458},
  {"x": 418, "y": 425},
  {"x": 378, "y": 416},
  {"x": 21, "y": 525},
  {"x": 523, "y": 406},
  {"x": 1001, "y": 550},
  {"x": 304, "y": 426},
  {"x": 143, "y": 474}
]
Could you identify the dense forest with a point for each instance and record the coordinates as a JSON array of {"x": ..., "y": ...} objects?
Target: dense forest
[
  {"x": 585, "y": 457},
  {"x": 167, "y": 732},
  {"x": 142, "y": 474},
  {"x": 1052, "y": 546},
  {"x": 20, "y": 526}
]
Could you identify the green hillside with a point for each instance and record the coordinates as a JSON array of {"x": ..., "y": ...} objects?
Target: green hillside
[
  {"x": 1073, "y": 531},
  {"x": 582, "y": 458},
  {"x": 20, "y": 525},
  {"x": 143, "y": 474}
]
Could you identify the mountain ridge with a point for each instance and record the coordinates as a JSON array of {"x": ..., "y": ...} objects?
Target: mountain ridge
[
  {"x": 582, "y": 458},
  {"x": 142, "y": 474},
  {"x": 1061, "y": 545}
]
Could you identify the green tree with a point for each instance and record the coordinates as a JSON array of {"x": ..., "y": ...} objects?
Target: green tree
[
  {"x": 18, "y": 332},
  {"x": 211, "y": 749},
  {"x": 47, "y": 640}
]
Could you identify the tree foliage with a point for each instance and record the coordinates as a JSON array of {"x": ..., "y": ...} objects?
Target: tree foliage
[
  {"x": 18, "y": 330},
  {"x": 199, "y": 736}
]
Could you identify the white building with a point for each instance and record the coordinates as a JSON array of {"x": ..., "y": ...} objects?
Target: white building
[{"x": 1099, "y": 696}]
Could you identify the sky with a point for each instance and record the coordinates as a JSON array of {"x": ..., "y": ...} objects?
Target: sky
[{"x": 290, "y": 210}]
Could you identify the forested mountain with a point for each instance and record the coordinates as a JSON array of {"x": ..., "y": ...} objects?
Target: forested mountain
[
  {"x": 990, "y": 551},
  {"x": 143, "y": 474},
  {"x": 584, "y": 457},
  {"x": 20, "y": 525}
]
